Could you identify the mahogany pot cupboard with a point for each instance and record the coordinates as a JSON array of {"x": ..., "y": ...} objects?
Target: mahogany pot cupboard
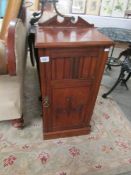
[{"x": 72, "y": 57}]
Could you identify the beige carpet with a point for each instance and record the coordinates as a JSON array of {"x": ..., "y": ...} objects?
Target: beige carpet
[{"x": 106, "y": 151}]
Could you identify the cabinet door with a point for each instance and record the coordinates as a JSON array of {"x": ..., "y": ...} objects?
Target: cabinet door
[{"x": 69, "y": 104}]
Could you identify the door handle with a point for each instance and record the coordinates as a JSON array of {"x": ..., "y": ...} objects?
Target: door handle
[{"x": 46, "y": 102}]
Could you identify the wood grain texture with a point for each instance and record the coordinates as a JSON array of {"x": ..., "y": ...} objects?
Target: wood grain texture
[
  {"x": 12, "y": 12},
  {"x": 50, "y": 37},
  {"x": 16, "y": 12},
  {"x": 10, "y": 50},
  {"x": 71, "y": 88},
  {"x": 67, "y": 22},
  {"x": 67, "y": 133},
  {"x": 71, "y": 79},
  {"x": 11, "y": 59}
]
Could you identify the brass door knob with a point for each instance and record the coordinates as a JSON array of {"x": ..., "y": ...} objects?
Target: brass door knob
[{"x": 46, "y": 102}]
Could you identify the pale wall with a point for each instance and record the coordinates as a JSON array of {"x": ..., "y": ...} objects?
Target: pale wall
[{"x": 108, "y": 21}]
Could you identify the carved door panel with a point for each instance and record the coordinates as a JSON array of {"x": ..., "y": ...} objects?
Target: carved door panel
[{"x": 69, "y": 105}]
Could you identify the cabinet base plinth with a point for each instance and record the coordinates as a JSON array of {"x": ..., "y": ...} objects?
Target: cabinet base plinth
[{"x": 67, "y": 133}]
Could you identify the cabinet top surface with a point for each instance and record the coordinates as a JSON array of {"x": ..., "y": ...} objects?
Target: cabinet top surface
[{"x": 69, "y": 37}]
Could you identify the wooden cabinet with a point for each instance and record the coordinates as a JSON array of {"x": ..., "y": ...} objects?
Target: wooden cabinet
[{"x": 71, "y": 61}]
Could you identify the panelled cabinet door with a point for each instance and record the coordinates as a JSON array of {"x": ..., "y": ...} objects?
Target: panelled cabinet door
[{"x": 69, "y": 104}]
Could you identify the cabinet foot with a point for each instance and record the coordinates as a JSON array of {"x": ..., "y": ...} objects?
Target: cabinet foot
[{"x": 18, "y": 123}]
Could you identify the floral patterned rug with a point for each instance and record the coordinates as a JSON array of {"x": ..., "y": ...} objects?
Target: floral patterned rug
[{"x": 105, "y": 151}]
